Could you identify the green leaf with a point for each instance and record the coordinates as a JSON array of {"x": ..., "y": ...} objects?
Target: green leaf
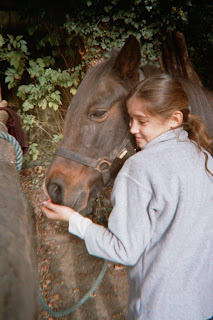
[
  {"x": 18, "y": 38},
  {"x": 43, "y": 104},
  {"x": 9, "y": 79},
  {"x": 105, "y": 19},
  {"x": 11, "y": 38},
  {"x": 27, "y": 106},
  {"x": 35, "y": 156},
  {"x": 107, "y": 8},
  {"x": 73, "y": 91},
  {"x": 2, "y": 42},
  {"x": 89, "y": 3},
  {"x": 55, "y": 106},
  {"x": 24, "y": 48},
  {"x": 40, "y": 62}
]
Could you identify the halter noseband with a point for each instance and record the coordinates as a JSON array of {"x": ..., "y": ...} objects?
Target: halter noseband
[{"x": 101, "y": 165}]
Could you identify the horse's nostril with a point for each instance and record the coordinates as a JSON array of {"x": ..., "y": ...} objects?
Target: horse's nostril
[{"x": 55, "y": 191}]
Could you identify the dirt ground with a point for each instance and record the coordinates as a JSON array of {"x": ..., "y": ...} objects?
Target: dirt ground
[{"x": 66, "y": 270}]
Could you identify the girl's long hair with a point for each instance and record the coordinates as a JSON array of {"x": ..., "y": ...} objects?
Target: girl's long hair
[{"x": 163, "y": 94}]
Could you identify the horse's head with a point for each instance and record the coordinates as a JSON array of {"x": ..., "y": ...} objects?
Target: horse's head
[{"x": 96, "y": 138}]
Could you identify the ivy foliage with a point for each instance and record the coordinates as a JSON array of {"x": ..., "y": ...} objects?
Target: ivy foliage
[
  {"x": 104, "y": 27},
  {"x": 46, "y": 63}
]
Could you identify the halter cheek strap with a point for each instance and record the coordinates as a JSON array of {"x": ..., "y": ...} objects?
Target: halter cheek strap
[{"x": 101, "y": 165}]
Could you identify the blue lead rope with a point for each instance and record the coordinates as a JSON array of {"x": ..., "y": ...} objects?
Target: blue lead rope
[
  {"x": 56, "y": 314},
  {"x": 19, "y": 153}
]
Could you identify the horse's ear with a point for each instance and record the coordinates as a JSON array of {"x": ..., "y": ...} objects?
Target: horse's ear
[{"x": 128, "y": 59}]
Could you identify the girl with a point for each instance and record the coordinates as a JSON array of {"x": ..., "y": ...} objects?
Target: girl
[{"x": 161, "y": 225}]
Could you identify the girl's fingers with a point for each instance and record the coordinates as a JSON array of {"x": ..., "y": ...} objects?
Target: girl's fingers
[
  {"x": 57, "y": 212},
  {"x": 48, "y": 213},
  {"x": 50, "y": 205}
]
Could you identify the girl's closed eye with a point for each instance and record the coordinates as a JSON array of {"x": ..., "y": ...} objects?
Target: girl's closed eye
[
  {"x": 142, "y": 121},
  {"x": 139, "y": 121}
]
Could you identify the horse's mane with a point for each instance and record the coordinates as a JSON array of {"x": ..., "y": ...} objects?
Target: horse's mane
[
  {"x": 200, "y": 100},
  {"x": 150, "y": 70}
]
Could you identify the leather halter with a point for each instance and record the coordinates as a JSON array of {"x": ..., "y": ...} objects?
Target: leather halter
[{"x": 101, "y": 165}]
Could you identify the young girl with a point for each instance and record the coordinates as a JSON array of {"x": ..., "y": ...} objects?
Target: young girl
[{"x": 161, "y": 225}]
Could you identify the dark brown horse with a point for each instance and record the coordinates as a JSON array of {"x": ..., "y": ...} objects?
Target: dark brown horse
[{"x": 96, "y": 135}]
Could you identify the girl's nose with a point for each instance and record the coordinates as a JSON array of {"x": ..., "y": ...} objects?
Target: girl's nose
[{"x": 133, "y": 127}]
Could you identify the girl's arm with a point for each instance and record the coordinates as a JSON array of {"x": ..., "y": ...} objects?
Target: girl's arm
[{"x": 129, "y": 227}]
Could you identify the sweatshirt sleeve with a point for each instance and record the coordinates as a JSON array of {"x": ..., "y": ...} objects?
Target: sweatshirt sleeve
[
  {"x": 78, "y": 225},
  {"x": 130, "y": 224}
]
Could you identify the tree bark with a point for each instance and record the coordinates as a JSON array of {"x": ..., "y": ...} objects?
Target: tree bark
[{"x": 175, "y": 59}]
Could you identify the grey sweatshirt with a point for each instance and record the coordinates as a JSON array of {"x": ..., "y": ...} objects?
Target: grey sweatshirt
[{"x": 161, "y": 226}]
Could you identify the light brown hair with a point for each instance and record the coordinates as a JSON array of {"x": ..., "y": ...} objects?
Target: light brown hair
[{"x": 163, "y": 94}]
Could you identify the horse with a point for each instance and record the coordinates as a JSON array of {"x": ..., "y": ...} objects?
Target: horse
[
  {"x": 96, "y": 140},
  {"x": 18, "y": 267}
]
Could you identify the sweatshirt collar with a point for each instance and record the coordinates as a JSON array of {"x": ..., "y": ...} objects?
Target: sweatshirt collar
[{"x": 179, "y": 134}]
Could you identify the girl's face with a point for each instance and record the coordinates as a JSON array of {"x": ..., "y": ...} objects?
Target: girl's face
[{"x": 145, "y": 127}]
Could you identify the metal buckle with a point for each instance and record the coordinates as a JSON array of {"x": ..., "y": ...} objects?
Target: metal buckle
[{"x": 101, "y": 163}]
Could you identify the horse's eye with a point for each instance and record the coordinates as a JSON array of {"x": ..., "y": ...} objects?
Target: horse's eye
[{"x": 98, "y": 114}]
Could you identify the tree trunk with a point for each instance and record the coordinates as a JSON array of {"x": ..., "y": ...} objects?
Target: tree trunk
[{"x": 175, "y": 59}]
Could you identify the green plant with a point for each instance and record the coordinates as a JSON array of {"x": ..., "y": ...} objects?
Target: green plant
[
  {"x": 57, "y": 138},
  {"x": 13, "y": 50},
  {"x": 44, "y": 83},
  {"x": 33, "y": 152}
]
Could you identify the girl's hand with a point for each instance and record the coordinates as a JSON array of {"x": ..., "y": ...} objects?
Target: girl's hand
[{"x": 56, "y": 212}]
